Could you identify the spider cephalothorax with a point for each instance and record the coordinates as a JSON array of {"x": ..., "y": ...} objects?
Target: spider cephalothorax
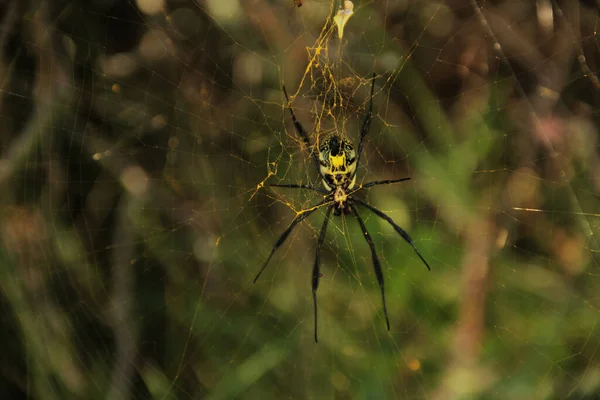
[{"x": 336, "y": 161}]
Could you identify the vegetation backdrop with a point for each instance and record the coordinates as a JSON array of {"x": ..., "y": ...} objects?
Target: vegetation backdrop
[{"x": 139, "y": 139}]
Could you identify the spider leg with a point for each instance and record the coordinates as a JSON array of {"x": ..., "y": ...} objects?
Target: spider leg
[
  {"x": 299, "y": 218},
  {"x": 386, "y": 182},
  {"x": 400, "y": 231},
  {"x": 301, "y": 131},
  {"x": 367, "y": 121},
  {"x": 376, "y": 264},
  {"x": 316, "y": 274},
  {"x": 301, "y": 186}
]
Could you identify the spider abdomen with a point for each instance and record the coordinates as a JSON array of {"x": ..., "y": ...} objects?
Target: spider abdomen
[{"x": 337, "y": 163}]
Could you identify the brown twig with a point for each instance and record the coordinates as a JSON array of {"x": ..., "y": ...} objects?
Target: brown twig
[{"x": 123, "y": 304}]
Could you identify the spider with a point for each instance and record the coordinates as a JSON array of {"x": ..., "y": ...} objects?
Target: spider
[{"x": 336, "y": 162}]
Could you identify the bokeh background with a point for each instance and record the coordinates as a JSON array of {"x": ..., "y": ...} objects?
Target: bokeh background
[{"x": 138, "y": 137}]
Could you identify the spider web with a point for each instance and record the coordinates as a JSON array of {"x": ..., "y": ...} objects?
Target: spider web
[{"x": 141, "y": 140}]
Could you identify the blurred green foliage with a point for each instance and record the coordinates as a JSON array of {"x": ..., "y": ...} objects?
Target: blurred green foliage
[{"x": 139, "y": 139}]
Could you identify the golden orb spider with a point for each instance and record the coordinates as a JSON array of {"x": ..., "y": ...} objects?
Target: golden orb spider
[{"x": 336, "y": 162}]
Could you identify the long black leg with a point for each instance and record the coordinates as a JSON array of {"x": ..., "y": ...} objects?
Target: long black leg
[
  {"x": 316, "y": 274},
  {"x": 301, "y": 186},
  {"x": 400, "y": 231},
  {"x": 367, "y": 121},
  {"x": 376, "y": 264},
  {"x": 299, "y": 218},
  {"x": 301, "y": 130},
  {"x": 386, "y": 182}
]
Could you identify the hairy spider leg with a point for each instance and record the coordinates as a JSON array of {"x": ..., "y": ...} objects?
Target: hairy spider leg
[
  {"x": 301, "y": 131},
  {"x": 299, "y": 218},
  {"x": 376, "y": 264},
  {"x": 300, "y": 186},
  {"x": 400, "y": 231},
  {"x": 316, "y": 274},
  {"x": 386, "y": 182},
  {"x": 367, "y": 121}
]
